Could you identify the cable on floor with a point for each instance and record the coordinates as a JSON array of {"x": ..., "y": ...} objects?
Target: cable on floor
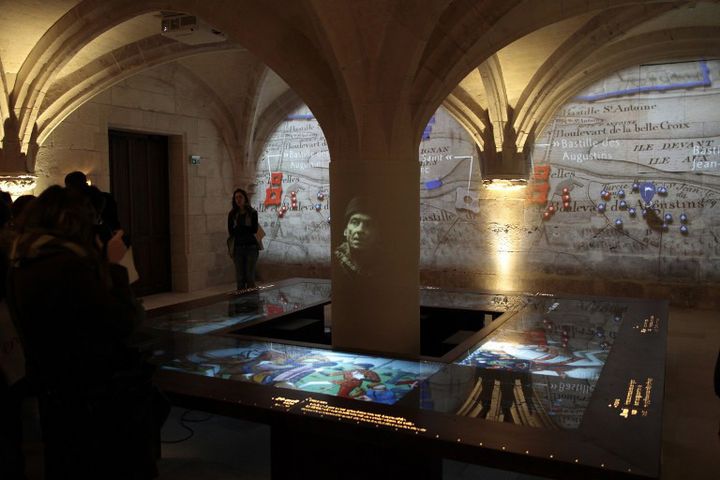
[{"x": 183, "y": 419}]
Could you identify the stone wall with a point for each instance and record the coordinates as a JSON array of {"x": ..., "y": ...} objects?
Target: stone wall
[
  {"x": 472, "y": 236},
  {"x": 657, "y": 127},
  {"x": 639, "y": 155},
  {"x": 161, "y": 101}
]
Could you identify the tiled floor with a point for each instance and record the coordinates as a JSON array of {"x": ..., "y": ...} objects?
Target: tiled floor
[{"x": 224, "y": 448}]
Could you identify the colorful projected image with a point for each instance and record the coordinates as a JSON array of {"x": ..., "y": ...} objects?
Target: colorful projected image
[
  {"x": 360, "y": 377},
  {"x": 566, "y": 339},
  {"x": 539, "y": 368},
  {"x": 541, "y": 358},
  {"x": 509, "y": 396}
]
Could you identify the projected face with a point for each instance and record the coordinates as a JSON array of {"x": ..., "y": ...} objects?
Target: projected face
[
  {"x": 360, "y": 231},
  {"x": 356, "y": 254}
]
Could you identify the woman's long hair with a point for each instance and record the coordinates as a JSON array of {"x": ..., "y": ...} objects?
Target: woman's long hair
[{"x": 235, "y": 207}]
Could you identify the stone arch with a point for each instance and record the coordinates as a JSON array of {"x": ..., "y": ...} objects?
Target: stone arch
[
  {"x": 453, "y": 50},
  {"x": 313, "y": 58},
  {"x": 58, "y": 45},
  {"x": 655, "y": 46},
  {"x": 451, "y": 54},
  {"x": 596, "y": 33},
  {"x": 248, "y": 22},
  {"x": 247, "y": 120},
  {"x": 269, "y": 120},
  {"x": 276, "y": 39},
  {"x": 491, "y": 72},
  {"x": 337, "y": 36},
  {"x": 4, "y": 96},
  {"x": 470, "y": 116},
  {"x": 78, "y": 87},
  {"x": 222, "y": 117}
]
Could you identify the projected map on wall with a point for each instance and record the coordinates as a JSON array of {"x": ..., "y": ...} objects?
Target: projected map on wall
[
  {"x": 625, "y": 185},
  {"x": 292, "y": 192},
  {"x": 639, "y": 156}
]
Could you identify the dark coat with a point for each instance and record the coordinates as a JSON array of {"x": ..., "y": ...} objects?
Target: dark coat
[
  {"x": 75, "y": 314},
  {"x": 243, "y": 235}
]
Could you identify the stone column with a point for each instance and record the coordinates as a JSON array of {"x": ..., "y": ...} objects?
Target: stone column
[
  {"x": 12, "y": 159},
  {"x": 16, "y": 166},
  {"x": 377, "y": 307}
]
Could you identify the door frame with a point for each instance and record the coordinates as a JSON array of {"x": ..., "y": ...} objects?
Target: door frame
[{"x": 178, "y": 194}]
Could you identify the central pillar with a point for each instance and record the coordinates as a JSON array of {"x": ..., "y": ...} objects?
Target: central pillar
[{"x": 375, "y": 226}]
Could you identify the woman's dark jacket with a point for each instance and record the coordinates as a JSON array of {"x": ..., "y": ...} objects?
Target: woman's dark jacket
[{"x": 244, "y": 235}]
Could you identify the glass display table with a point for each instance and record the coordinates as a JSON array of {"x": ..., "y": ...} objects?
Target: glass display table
[{"x": 556, "y": 386}]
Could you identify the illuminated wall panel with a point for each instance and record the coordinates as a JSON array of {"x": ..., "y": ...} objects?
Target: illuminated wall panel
[
  {"x": 625, "y": 189},
  {"x": 292, "y": 193},
  {"x": 292, "y": 188},
  {"x": 639, "y": 153}
]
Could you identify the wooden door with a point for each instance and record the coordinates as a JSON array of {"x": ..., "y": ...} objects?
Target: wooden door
[{"x": 140, "y": 185}]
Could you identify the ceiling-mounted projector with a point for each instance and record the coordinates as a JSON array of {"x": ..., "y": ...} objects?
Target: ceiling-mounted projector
[{"x": 190, "y": 30}]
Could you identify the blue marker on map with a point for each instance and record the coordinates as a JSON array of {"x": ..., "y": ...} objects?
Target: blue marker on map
[
  {"x": 647, "y": 191},
  {"x": 433, "y": 184}
]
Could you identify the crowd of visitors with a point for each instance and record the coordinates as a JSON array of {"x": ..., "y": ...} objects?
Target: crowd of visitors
[{"x": 66, "y": 316}]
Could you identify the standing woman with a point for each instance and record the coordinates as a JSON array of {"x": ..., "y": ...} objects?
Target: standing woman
[{"x": 242, "y": 227}]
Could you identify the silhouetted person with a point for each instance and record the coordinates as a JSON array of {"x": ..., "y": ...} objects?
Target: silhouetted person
[
  {"x": 6, "y": 198},
  {"x": 12, "y": 371},
  {"x": 74, "y": 311},
  {"x": 109, "y": 213},
  {"x": 19, "y": 206}
]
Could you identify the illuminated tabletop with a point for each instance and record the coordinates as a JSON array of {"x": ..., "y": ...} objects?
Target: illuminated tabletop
[
  {"x": 225, "y": 312},
  {"x": 556, "y": 386}
]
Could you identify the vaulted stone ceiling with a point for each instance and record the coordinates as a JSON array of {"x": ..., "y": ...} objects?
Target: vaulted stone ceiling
[
  {"x": 510, "y": 96},
  {"x": 501, "y": 67}
]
